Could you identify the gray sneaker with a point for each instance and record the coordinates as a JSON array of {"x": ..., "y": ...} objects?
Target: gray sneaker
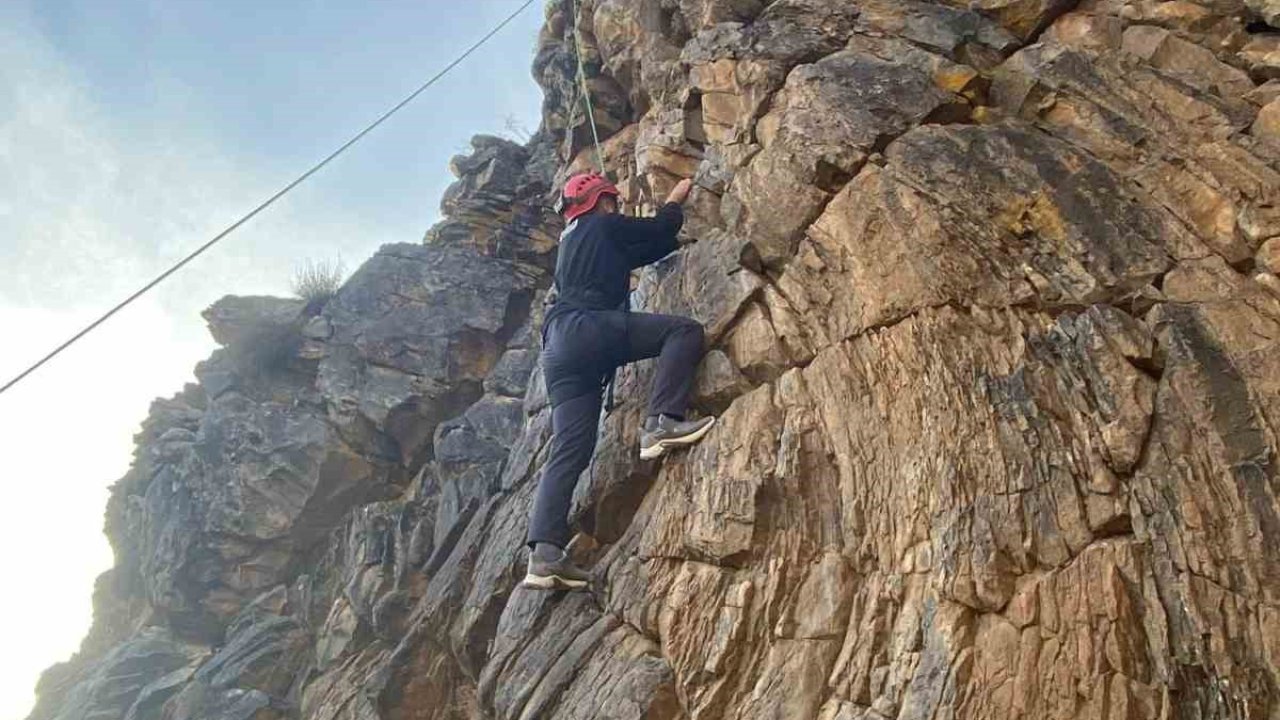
[
  {"x": 559, "y": 573},
  {"x": 662, "y": 432}
]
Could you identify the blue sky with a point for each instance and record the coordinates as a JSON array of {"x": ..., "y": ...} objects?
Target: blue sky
[{"x": 130, "y": 132}]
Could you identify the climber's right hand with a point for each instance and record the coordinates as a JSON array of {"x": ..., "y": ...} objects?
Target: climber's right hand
[{"x": 680, "y": 192}]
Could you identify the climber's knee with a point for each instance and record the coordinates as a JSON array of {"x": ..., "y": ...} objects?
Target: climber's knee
[{"x": 690, "y": 331}]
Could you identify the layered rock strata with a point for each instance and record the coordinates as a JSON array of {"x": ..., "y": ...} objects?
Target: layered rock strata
[{"x": 993, "y": 315}]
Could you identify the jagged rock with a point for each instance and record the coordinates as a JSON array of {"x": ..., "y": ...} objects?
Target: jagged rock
[
  {"x": 199, "y": 702},
  {"x": 960, "y": 34},
  {"x": 993, "y": 321},
  {"x": 510, "y": 376},
  {"x": 1180, "y": 142},
  {"x": 1024, "y": 18},
  {"x": 824, "y": 123},
  {"x": 705, "y": 281},
  {"x": 735, "y": 68},
  {"x": 1268, "y": 10},
  {"x": 1191, "y": 62},
  {"x": 132, "y": 680},
  {"x": 635, "y": 48},
  {"x": 252, "y": 676},
  {"x": 701, "y": 14},
  {"x": 415, "y": 332},
  {"x": 1264, "y": 93},
  {"x": 231, "y": 481},
  {"x": 264, "y": 651},
  {"x": 1262, "y": 56},
  {"x": 1269, "y": 255},
  {"x": 470, "y": 453},
  {"x": 495, "y": 207},
  {"x": 252, "y": 320},
  {"x": 1267, "y": 125},
  {"x": 898, "y": 249},
  {"x": 719, "y": 382},
  {"x": 262, "y": 339}
]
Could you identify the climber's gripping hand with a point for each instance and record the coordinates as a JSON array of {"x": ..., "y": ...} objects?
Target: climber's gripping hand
[
  {"x": 680, "y": 192},
  {"x": 678, "y": 195}
]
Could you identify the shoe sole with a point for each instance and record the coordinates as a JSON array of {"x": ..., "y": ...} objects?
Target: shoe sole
[
  {"x": 656, "y": 450},
  {"x": 552, "y": 582}
]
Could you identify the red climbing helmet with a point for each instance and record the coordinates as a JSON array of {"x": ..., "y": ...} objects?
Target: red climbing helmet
[{"x": 583, "y": 191}]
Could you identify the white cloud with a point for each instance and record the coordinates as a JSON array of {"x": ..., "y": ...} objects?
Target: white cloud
[
  {"x": 66, "y": 435},
  {"x": 89, "y": 212},
  {"x": 95, "y": 208}
]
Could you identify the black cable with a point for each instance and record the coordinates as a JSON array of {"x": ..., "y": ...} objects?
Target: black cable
[{"x": 200, "y": 250}]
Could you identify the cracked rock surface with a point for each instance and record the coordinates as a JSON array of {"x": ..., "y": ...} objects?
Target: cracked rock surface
[{"x": 994, "y": 337}]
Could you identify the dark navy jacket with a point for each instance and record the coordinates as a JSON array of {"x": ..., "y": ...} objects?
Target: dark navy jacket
[{"x": 584, "y": 335}]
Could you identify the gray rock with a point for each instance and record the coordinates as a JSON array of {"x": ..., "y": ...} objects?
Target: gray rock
[
  {"x": 416, "y": 330},
  {"x": 960, "y": 34},
  {"x": 200, "y": 702},
  {"x": 510, "y": 376},
  {"x": 226, "y": 507},
  {"x": 263, "y": 652},
  {"x": 484, "y": 433},
  {"x": 238, "y": 321},
  {"x": 789, "y": 32},
  {"x": 139, "y": 672}
]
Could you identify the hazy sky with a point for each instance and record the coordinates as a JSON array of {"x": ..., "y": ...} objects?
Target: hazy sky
[{"x": 131, "y": 131}]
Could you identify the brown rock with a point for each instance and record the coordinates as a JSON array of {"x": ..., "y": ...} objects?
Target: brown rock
[
  {"x": 1085, "y": 31},
  {"x": 719, "y": 381},
  {"x": 884, "y": 249},
  {"x": 960, "y": 34},
  {"x": 720, "y": 506},
  {"x": 1264, "y": 93},
  {"x": 1262, "y": 56},
  {"x": 1269, "y": 255},
  {"x": 753, "y": 346},
  {"x": 819, "y": 132},
  {"x": 1191, "y": 62},
  {"x": 1267, "y": 125},
  {"x": 700, "y": 14},
  {"x": 1022, "y": 17}
]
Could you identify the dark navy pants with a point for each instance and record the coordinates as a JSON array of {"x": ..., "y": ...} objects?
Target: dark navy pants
[{"x": 579, "y": 349}]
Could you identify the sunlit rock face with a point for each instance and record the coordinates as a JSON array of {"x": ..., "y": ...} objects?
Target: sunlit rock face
[{"x": 992, "y": 318}]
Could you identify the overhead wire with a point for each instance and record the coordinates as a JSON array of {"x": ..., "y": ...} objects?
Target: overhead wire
[{"x": 269, "y": 201}]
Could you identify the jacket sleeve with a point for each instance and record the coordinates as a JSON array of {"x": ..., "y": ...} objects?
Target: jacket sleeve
[{"x": 648, "y": 240}]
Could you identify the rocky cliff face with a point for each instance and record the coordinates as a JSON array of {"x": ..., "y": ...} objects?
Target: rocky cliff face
[{"x": 994, "y": 324}]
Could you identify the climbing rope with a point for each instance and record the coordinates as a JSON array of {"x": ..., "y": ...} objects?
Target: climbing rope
[
  {"x": 271, "y": 200},
  {"x": 595, "y": 137},
  {"x": 567, "y": 146},
  {"x": 586, "y": 91}
]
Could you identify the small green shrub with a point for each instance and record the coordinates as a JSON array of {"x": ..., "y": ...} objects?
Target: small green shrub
[{"x": 318, "y": 281}]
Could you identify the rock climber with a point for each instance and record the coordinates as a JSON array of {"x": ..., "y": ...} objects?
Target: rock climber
[{"x": 587, "y": 334}]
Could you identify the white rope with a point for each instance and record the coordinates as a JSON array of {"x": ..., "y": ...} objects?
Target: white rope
[{"x": 586, "y": 92}]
